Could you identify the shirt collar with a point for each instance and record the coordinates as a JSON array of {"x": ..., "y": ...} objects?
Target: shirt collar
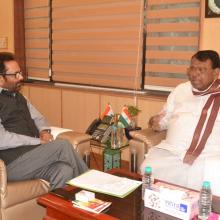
[{"x": 12, "y": 94}]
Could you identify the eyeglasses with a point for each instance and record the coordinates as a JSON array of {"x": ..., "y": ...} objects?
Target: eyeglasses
[{"x": 17, "y": 75}]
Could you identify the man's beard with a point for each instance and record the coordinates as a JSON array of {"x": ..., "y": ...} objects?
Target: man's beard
[
  {"x": 15, "y": 88},
  {"x": 18, "y": 87}
]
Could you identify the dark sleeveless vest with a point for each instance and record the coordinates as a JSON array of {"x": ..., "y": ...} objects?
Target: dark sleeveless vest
[{"x": 15, "y": 117}]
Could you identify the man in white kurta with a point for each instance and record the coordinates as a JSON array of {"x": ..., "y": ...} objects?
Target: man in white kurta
[{"x": 180, "y": 117}]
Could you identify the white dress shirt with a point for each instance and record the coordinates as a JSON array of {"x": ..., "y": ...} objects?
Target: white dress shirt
[{"x": 182, "y": 113}]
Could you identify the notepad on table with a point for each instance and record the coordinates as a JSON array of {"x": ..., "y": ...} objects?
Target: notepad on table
[{"x": 106, "y": 183}]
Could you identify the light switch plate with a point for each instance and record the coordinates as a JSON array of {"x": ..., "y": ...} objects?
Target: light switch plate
[{"x": 3, "y": 42}]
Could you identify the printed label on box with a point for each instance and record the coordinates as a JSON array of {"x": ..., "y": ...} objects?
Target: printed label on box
[{"x": 172, "y": 200}]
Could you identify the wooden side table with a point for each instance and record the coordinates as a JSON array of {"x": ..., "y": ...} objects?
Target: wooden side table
[{"x": 111, "y": 157}]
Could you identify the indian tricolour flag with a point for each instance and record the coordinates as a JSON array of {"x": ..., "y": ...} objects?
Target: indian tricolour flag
[
  {"x": 108, "y": 111},
  {"x": 125, "y": 117}
]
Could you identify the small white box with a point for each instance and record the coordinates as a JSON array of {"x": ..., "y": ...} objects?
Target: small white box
[
  {"x": 172, "y": 200},
  {"x": 84, "y": 196}
]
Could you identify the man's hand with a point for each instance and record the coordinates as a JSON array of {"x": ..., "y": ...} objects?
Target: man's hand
[
  {"x": 45, "y": 137},
  {"x": 154, "y": 122}
]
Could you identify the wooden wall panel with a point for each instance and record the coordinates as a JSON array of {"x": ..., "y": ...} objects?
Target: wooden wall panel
[
  {"x": 48, "y": 102},
  {"x": 79, "y": 109},
  {"x": 116, "y": 101},
  {"x": 76, "y": 109},
  {"x": 148, "y": 107}
]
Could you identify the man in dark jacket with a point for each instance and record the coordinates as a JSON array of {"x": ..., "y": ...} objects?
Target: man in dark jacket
[{"x": 26, "y": 146}]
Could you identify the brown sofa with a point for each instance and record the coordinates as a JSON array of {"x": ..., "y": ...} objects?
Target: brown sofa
[
  {"x": 18, "y": 199},
  {"x": 141, "y": 141}
]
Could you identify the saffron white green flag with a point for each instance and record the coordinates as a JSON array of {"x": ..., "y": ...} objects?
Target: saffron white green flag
[
  {"x": 108, "y": 111},
  {"x": 125, "y": 117}
]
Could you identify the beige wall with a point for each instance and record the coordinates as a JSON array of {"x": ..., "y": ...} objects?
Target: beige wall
[
  {"x": 210, "y": 32},
  {"x": 7, "y": 23}
]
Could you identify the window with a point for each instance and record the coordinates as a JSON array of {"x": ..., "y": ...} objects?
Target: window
[
  {"x": 172, "y": 28},
  {"x": 94, "y": 42},
  {"x": 37, "y": 42},
  {"x": 100, "y": 42}
]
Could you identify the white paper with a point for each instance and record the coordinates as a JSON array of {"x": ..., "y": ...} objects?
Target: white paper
[
  {"x": 55, "y": 131},
  {"x": 105, "y": 183}
]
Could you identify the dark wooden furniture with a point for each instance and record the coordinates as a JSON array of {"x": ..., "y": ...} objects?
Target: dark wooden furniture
[{"x": 128, "y": 208}]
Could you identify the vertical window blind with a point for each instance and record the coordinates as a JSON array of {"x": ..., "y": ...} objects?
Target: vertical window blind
[
  {"x": 36, "y": 13},
  {"x": 172, "y": 30},
  {"x": 97, "y": 42}
]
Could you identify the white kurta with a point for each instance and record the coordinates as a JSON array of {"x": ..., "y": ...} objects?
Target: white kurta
[{"x": 182, "y": 113}]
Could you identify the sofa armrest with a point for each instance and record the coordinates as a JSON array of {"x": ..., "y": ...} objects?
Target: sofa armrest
[
  {"x": 55, "y": 131},
  {"x": 80, "y": 141},
  {"x": 141, "y": 141},
  {"x": 22, "y": 191},
  {"x": 3, "y": 178},
  {"x": 75, "y": 138},
  {"x": 148, "y": 136}
]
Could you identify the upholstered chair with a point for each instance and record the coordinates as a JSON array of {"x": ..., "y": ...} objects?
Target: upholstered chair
[
  {"x": 80, "y": 141},
  {"x": 141, "y": 141},
  {"x": 18, "y": 199}
]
